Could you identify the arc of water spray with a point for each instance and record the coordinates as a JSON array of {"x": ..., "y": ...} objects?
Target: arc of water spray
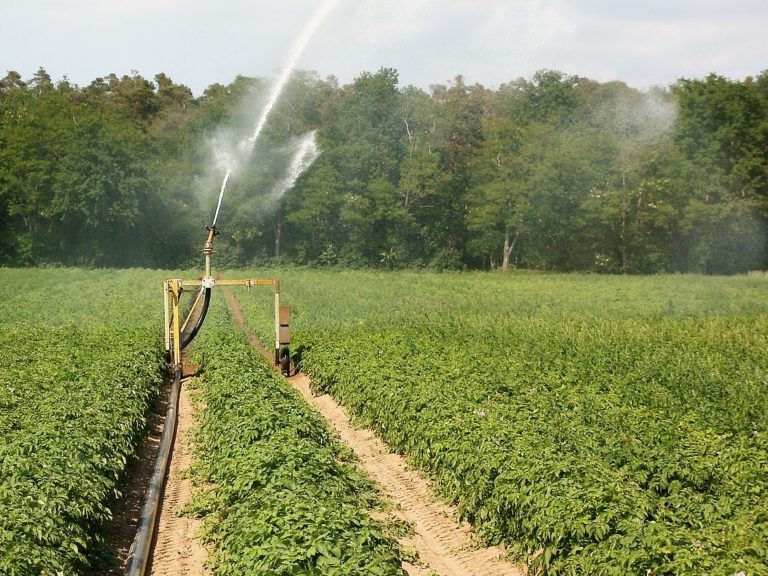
[
  {"x": 298, "y": 50},
  {"x": 305, "y": 155},
  {"x": 282, "y": 80},
  {"x": 221, "y": 195}
]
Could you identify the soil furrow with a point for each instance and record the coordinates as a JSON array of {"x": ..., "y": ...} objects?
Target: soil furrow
[
  {"x": 178, "y": 550},
  {"x": 440, "y": 544}
]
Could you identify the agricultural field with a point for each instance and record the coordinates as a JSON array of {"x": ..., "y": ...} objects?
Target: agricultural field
[
  {"x": 594, "y": 424},
  {"x": 282, "y": 495},
  {"x": 81, "y": 362}
]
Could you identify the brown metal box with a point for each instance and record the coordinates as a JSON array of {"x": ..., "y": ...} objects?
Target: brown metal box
[{"x": 285, "y": 315}]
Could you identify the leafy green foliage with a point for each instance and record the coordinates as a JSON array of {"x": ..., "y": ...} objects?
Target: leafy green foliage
[
  {"x": 556, "y": 172},
  {"x": 597, "y": 426},
  {"x": 76, "y": 384},
  {"x": 281, "y": 496}
]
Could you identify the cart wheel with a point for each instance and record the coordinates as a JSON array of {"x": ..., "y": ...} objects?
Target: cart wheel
[{"x": 285, "y": 361}]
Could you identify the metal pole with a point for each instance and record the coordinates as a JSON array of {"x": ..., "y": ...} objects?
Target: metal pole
[
  {"x": 167, "y": 319},
  {"x": 277, "y": 322},
  {"x": 208, "y": 249},
  {"x": 175, "y": 285}
]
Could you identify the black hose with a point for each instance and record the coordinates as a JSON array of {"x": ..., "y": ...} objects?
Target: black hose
[
  {"x": 138, "y": 555},
  {"x": 187, "y": 337}
]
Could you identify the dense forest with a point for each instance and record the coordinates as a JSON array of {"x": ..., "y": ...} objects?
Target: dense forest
[{"x": 554, "y": 172}]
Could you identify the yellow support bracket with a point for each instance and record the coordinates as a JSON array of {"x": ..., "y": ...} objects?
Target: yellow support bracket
[{"x": 172, "y": 292}]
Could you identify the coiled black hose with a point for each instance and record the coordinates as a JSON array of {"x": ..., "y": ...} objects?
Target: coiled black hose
[{"x": 188, "y": 335}]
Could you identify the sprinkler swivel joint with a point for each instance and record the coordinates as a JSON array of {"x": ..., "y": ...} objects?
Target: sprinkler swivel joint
[{"x": 212, "y": 232}]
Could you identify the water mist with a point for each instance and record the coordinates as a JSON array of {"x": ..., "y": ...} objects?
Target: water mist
[
  {"x": 306, "y": 153},
  {"x": 247, "y": 145}
]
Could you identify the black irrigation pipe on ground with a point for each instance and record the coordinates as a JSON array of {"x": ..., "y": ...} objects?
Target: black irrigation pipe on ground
[{"x": 138, "y": 556}]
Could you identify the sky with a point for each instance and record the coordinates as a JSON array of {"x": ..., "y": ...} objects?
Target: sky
[{"x": 197, "y": 43}]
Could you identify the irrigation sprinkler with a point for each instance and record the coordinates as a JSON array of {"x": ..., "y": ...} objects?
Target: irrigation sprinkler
[{"x": 178, "y": 333}]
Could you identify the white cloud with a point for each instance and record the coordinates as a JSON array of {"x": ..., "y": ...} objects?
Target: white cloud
[
  {"x": 198, "y": 42},
  {"x": 68, "y": 11}
]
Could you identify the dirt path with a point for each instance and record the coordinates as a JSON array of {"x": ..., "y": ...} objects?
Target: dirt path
[
  {"x": 177, "y": 550},
  {"x": 442, "y": 546}
]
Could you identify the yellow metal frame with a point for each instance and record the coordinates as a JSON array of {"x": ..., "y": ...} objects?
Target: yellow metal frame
[{"x": 172, "y": 291}]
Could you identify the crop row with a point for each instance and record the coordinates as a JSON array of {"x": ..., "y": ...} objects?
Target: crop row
[
  {"x": 81, "y": 364},
  {"x": 72, "y": 409},
  {"x": 583, "y": 476},
  {"x": 282, "y": 496},
  {"x": 591, "y": 443}
]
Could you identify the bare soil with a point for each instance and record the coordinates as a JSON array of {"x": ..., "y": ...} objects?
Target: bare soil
[
  {"x": 178, "y": 551},
  {"x": 438, "y": 544}
]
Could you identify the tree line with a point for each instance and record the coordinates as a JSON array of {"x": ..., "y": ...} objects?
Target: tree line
[{"x": 552, "y": 172}]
